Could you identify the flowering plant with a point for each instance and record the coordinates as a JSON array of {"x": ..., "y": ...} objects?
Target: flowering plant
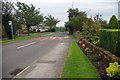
[
  {"x": 113, "y": 70},
  {"x": 82, "y": 43},
  {"x": 88, "y": 50}
]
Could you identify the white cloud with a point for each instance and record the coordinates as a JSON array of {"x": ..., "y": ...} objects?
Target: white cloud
[{"x": 58, "y": 8}]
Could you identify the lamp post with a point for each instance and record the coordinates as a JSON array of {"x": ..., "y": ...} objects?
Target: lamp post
[{"x": 10, "y": 23}]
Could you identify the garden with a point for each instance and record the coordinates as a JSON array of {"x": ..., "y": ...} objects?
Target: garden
[
  {"x": 103, "y": 50},
  {"x": 99, "y": 40}
]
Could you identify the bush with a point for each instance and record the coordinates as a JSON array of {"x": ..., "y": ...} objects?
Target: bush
[
  {"x": 88, "y": 50},
  {"x": 113, "y": 70},
  {"x": 110, "y": 40},
  {"x": 95, "y": 57},
  {"x": 113, "y": 23},
  {"x": 4, "y": 35}
]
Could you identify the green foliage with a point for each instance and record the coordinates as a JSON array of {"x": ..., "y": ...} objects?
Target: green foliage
[
  {"x": 73, "y": 36},
  {"x": 95, "y": 57},
  {"x": 97, "y": 42},
  {"x": 77, "y": 22},
  {"x": 70, "y": 27},
  {"x": 87, "y": 49},
  {"x": 110, "y": 40},
  {"x": 113, "y": 23},
  {"x": 4, "y": 35},
  {"x": 5, "y": 19},
  {"x": 76, "y": 19},
  {"x": 113, "y": 70},
  {"x": 60, "y": 29},
  {"x": 7, "y": 8},
  {"x": 77, "y": 64},
  {"x": 28, "y": 15},
  {"x": 51, "y": 22}
]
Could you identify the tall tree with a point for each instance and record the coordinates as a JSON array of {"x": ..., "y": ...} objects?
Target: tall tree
[
  {"x": 97, "y": 18},
  {"x": 113, "y": 23},
  {"x": 28, "y": 15},
  {"x": 7, "y": 8},
  {"x": 4, "y": 35},
  {"x": 51, "y": 21},
  {"x": 76, "y": 19},
  {"x": 69, "y": 27}
]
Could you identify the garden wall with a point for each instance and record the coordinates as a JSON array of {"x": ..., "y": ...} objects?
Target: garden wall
[
  {"x": 106, "y": 55},
  {"x": 110, "y": 40}
]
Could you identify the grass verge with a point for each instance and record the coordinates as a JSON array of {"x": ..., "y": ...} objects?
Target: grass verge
[
  {"x": 18, "y": 38},
  {"x": 25, "y": 37},
  {"x": 73, "y": 36},
  {"x": 77, "y": 65}
]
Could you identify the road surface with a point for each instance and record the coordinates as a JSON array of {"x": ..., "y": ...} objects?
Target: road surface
[{"x": 18, "y": 55}]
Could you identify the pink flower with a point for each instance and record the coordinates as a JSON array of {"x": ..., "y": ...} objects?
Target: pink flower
[{"x": 83, "y": 45}]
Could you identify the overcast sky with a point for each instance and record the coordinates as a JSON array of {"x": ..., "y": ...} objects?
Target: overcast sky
[{"x": 58, "y": 8}]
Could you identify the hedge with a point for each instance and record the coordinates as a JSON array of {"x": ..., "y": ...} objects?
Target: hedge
[{"x": 110, "y": 40}]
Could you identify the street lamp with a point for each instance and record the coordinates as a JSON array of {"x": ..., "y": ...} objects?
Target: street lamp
[{"x": 10, "y": 23}]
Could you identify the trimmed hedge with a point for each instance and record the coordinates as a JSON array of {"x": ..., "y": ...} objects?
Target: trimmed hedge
[{"x": 110, "y": 40}]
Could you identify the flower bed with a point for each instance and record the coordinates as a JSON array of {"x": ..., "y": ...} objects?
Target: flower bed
[{"x": 99, "y": 57}]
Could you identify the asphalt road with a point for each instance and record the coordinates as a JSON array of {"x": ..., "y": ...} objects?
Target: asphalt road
[{"x": 19, "y": 55}]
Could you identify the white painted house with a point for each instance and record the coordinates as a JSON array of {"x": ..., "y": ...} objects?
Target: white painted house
[{"x": 40, "y": 29}]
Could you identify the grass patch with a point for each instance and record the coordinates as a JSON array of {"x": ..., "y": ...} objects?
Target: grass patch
[
  {"x": 73, "y": 36},
  {"x": 78, "y": 65},
  {"x": 25, "y": 37},
  {"x": 18, "y": 38}
]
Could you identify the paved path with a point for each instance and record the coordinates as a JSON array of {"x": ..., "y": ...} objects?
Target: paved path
[{"x": 48, "y": 50}]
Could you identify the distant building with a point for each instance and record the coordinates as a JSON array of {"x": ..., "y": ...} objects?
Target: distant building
[
  {"x": 119, "y": 10},
  {"x": 39, "y": 28}
]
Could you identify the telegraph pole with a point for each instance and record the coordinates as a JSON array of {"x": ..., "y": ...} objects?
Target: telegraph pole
[{"x": 73, "y": 3}]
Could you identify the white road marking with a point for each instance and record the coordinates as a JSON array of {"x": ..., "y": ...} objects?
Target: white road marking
[
  {"x": 26, "y": 45},
  {"x": 22, "y": 71}
]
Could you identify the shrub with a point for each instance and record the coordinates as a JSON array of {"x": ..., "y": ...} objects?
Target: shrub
[
  {"x": 95, "y": 57},
  {"x": 113, "y": 23},
  {"x": 88, "y": 50},
  {"x": 4, "y": 35},
  {"x": 113, "y": 70},
  {"x": 110, "y": 40}
]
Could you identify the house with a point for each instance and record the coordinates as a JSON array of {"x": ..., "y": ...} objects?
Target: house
[{"x": 39, "y": 28}]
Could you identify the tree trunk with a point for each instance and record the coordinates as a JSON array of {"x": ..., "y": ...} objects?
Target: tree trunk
[{"x": 28, "y": 29}]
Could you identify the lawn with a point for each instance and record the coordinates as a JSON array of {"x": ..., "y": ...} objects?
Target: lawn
[
  {"x": 18, "y": 38},
  {"x": 77, "y": 65},
  {"x": 25, "y": 37},
  {"x": 73, "y": 36}
]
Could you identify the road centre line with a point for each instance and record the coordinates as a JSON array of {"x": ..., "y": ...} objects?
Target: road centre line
[{"x": 26, "y": 45}]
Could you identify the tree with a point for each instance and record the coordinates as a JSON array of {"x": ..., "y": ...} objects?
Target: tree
[
  {"x": 75, "y": 12},
  {"x": 51, "y": 22},
  {"x": 113, "y": 23},
  {"x": 77, "y": 22},
  {"x": 97, "y": 18},
  {"x": 28, "y": 15},
  {"x": 4, "y": 35},
  {"x": 76, "y": 19},
  {"x": 69, "y": 27},
  {"x": 72, "y": 12},
  {"x": 7, "y": 8},
  {"x": 87, "y": 28}
]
